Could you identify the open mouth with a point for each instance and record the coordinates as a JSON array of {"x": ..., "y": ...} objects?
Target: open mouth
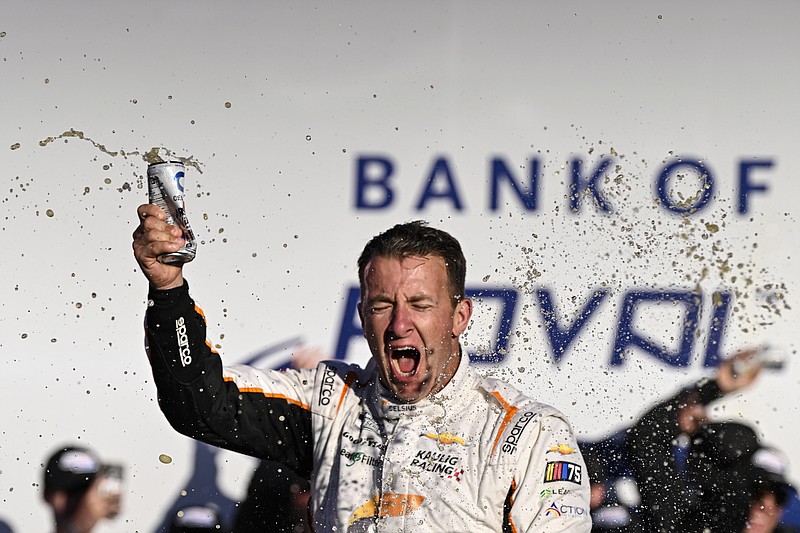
[{"x": 404, "y": 361}]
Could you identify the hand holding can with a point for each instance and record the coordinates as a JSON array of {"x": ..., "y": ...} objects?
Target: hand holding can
[
  {"x": 163, "y": 241},
  {"x": 152, "y": 238},
  {"x": 165, "y": 184}
]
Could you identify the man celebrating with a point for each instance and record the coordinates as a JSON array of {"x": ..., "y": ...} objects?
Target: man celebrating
[{"x": 416, "y": 440}]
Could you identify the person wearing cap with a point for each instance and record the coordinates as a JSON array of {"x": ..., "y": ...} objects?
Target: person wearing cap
[
  {"x": 764, "y": 514},
  {"x": 741, "y": 483},
  {"x": 659, "y": 443},
  {"x": 80, "y": 490},
  {"x": 724, "y": 465},
  {"x": 770, "y": 491}
]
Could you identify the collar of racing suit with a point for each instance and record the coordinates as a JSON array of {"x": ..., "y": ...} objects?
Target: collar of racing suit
[{"x": 432, "y": 406}]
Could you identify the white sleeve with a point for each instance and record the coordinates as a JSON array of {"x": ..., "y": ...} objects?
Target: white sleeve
[{"x": 552, "y": 484}]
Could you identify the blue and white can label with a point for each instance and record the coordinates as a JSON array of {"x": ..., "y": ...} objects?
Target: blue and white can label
[{"x": 165, "y": 185}]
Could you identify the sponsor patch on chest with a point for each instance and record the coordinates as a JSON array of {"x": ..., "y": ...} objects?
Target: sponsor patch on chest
[
  {"x": 563, "y": 471},
  {"x": 444, "y": 464}
]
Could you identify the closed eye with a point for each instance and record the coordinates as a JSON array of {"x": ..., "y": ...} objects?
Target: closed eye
[
  {"x": 379, "y": 308},
  {"x": 421, "y": 302}
]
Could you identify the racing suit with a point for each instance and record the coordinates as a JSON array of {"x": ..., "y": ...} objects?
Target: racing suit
[{"x": 477, "y": 456}]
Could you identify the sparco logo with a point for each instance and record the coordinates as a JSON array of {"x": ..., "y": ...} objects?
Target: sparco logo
[
  {"x": 511, "y": 442},
  {"x": 183, "y": 342},
  {"x": 327, "y": 386}
]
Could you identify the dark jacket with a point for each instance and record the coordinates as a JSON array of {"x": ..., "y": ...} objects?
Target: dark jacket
[{"x": 668, "y": 495}]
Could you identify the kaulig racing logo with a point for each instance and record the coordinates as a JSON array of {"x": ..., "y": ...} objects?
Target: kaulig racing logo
[{"x": 183, "y": 342}]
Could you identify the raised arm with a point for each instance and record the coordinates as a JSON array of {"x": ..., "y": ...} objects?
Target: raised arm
[{"x": 260, "y": 413}]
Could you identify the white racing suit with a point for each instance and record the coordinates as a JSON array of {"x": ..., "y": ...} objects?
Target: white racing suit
[{"x": 477, "y": 457}]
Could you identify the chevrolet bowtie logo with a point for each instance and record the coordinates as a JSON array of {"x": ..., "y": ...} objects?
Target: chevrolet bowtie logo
[
  {"x": 445, "y": 438},
  {"x": 563, "y": 449}
]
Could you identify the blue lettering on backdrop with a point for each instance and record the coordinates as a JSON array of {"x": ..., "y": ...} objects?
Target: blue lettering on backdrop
[
  {"x": 372, "y": 174},
  {"x": 626, "y": 336},
  {"x": 351, "y": 323},
  {"x": 691, "y": 205},
  {"x": 580, "y": 185},
  {"x": 562, "y": 338},
  {"x": 745, "y": 186},
  {"x": 721, "y": 302},
  {"x": 508, "y": 309},
  {"x": 374, "y": 189},
  {"x": 440, "y": 188},
  {"x": 528, "y": 194}
]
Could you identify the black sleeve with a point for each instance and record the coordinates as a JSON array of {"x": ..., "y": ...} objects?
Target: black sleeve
[
  {"x": 666, "y": 494},
  {"x": 268, "y": 421}
]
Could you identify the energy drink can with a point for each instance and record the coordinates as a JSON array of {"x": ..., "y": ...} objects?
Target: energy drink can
[{"x": 165, "y": 189}]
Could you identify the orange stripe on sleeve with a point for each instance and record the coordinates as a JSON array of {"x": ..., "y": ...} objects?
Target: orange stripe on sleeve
[
  {"x": 256, "y": 390},
  {"x": 351, "y": 377},
  {"x": 200, "y": 312},
  {"x": 511, "y": 505},
  {"x": 510, "y": 412},
  {"x": 211, "y": 348}
]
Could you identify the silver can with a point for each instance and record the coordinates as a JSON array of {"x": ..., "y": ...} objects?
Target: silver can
[{"x": 165, "y": 188}]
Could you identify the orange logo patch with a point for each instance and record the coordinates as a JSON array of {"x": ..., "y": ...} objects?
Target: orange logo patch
[{"x": 387, "y": 505}]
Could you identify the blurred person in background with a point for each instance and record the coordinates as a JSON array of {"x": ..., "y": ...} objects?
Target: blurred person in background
[
  {"x": 81, "y": 491},
  {"x": 660, "y": 443},
  {"x": 277, "y": 501},
  {"x": 277, "y": 497},
  {"x": 771, "y": 493},
  {"x": 609, "y": 515},
  {"x": 740, "y": 483}
]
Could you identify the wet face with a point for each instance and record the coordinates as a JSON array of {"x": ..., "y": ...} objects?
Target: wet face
[
  {"x": 411, "y": 324},
  {"x": 691, "y": 417},
  {"x": 765, "y": 513}
]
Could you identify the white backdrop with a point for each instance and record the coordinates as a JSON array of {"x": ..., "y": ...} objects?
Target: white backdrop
[{"x": 277, "y": 102}]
